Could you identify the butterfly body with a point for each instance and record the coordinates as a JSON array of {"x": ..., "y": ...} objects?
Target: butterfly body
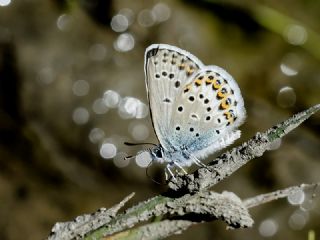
[{"x": 195, "y": 109}]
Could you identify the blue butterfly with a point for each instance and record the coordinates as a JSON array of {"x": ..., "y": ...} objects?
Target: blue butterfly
[{"x": 195, "y": 109}]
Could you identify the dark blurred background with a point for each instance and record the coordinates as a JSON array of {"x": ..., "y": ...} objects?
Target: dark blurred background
[{"x": 72, "y": 91}]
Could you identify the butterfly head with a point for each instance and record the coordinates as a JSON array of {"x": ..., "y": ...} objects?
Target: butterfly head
[{"x": 156, "y": 154}]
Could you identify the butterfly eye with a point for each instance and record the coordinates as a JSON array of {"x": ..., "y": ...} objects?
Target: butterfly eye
[{"x": 158, "y": 153}]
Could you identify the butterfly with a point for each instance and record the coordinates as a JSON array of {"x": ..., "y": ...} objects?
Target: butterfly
[{"x": 195, "y": 109}]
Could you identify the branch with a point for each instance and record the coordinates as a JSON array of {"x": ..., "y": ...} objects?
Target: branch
[
  {"x": 265, "y": 198},
  {"x": 167, "y": 228},
  {"x": 153, "y": 231},
  {"x": 194, "y": 202},
  {"x": 209, "y": 205},
  {"x": 85, "y": 223},
  {"x": 232, "y": 160}
]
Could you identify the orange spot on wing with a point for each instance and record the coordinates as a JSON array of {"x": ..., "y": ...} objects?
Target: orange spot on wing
[
  {"x": 190, "y": 70},
  {"x": 209, "y": 81},
  {"x": 187, "y": 88},
  {"x": 216, "y": 84},
  {"x": 229, "y": 116},
  {"x": 222, "y": 94},
  {"x": 224, "y": 105},
  {"x": 198, "y": 82}
]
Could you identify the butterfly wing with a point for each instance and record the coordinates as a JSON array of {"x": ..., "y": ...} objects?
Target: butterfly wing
[
  {"x": 167, "y": 70},
  {"x": 207, "y": 112}
]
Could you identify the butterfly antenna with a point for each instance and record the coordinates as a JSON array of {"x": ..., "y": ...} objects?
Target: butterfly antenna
[
  {"x": 152, "y": 179},
  {"x": 137, "y": 144},
  {"x": 128, "y": 157}
]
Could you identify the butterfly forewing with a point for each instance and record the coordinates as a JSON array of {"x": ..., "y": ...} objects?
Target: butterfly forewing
[{"x": 167, "y": 71}]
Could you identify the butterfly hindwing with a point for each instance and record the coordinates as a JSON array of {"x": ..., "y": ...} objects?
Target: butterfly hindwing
[{"x": 207, "y": 111}]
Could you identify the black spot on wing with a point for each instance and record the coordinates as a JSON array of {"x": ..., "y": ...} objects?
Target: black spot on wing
[{"x": 152, "y": 52}]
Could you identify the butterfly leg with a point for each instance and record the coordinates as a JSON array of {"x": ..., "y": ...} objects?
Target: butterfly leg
[
  {"x": 198, "y": 162},
  {"x": 180, "y": 167},
  {"x": 168, "y": 170}
]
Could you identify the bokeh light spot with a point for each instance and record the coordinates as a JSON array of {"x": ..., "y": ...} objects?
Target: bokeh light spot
[
  {"x": 146, "y": 18},
  {"x": 268, "y": 228},
  {"x": 132, "y": 108},
  {"x": 96, "y": 135},
  {"x": 296, "y": 198},
  {"x": 161, "y": 11},
  {"x": 296, "y": 34},
  {"x": 119, "y": 23},
  {"x": 143, "y": 159},
  {"x": 97, "y": 52},
  {"x": 120, "y": 160},
  {"x": 286, "y": 97},
  {"x": 111, "y": 99},
  {"x": 290, "y": 64},
  {"x": 64, "y": 22},
  {"x": 46, "y": 75},
  {"x": 108, "y": 150},
  {"x": 128, "y": 13},
  {"x": 4, "y": 3},
  {"x": 99, "y": 107},
  {"x": 80, "y": 115},
  {"x": 140, "y": 132},
  {"x": 124, "y": 43},
  {"x": 80, "y": 88},
  {"x": 298, "y": 219}
]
